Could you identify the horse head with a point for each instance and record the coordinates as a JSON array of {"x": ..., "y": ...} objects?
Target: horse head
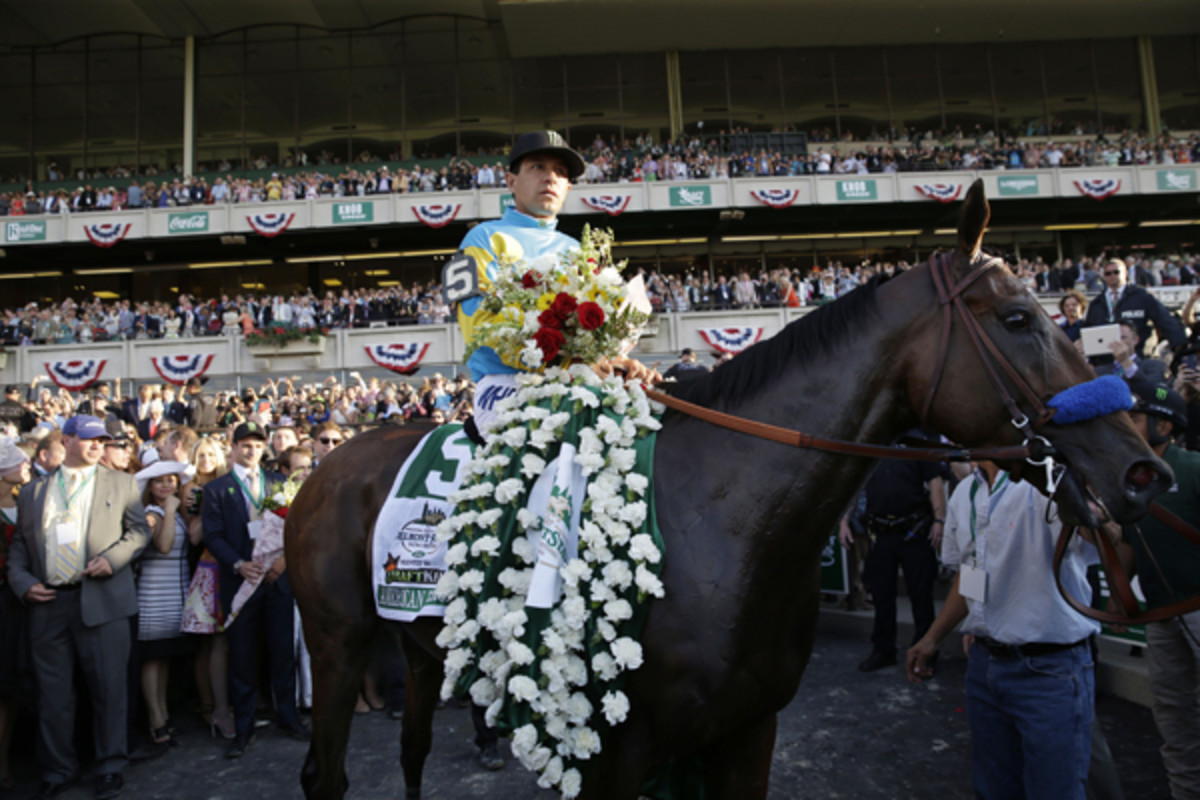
[{"x": 991, "y": 384}]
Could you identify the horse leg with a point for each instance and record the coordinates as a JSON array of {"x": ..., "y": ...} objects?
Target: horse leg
[
  {"x": 738, "y": 766},
  {"x": 339, "y": 656},
  {"x": 421, "y": 691}
]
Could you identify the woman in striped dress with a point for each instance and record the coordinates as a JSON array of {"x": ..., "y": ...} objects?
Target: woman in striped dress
[{"x": 162, "y": 587}]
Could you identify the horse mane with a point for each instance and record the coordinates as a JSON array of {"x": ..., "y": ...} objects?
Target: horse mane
[{"x": 813, "y": 335}]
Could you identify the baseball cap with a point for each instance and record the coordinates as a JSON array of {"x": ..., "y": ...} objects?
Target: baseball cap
[
  {"x": 85, "y": 426},
  {"x": 1160, "y": 400},
  {"x": 550, "y": 142},
  {"x": 687, "y": 351},
  {"x": 249, "y": 430}
]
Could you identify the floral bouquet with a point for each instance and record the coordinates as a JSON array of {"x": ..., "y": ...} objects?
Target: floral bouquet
[
  {"x": 557, "y": 309},
  {"x": 269, "y": 544}
]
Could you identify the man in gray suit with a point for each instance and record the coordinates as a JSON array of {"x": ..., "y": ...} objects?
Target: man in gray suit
[{"x": 79, "y": 529}]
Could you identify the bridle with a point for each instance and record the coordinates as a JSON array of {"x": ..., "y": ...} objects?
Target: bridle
[{"x": 1036, "y": 449}]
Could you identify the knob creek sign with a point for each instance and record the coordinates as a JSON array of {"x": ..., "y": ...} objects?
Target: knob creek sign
[{"x": 192, "y": 222}]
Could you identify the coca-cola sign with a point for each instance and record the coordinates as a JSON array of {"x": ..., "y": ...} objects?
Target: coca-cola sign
[{"x": 190, "y": 222}]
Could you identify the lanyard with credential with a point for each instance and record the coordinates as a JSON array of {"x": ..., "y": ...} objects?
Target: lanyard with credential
[
  {"x": 262, "y": 488},
  {"x": 974, "y": 489},
  {"x": 68, "y": 499}
]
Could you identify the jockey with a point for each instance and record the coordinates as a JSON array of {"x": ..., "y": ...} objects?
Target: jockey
[{"x": 541, "y": 167}]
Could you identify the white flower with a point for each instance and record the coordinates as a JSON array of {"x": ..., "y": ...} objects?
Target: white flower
[
  {"x": 445, "y": 530},
  {"x": 496, "y": 462},
  {"x": 491, "y": 611},
  {"x": 637, "y": 483},
  {"x": 522, "y": 549},
  {"x": 492, "y": 661},
  {"x": 608, "y": 430},
  {"x": 586, "y": 742},
  {"x": 627, "y": 653},
  {"x": 554, "y": 643},
  {"x": 606, "y": 630},
  {"x": 616, "y": 707},
  {"x": 605, "y": 666},
  {"x": 524, "y": 739},
  {"x": 618, "y": 532},
  {"x": 512, "y": 625},
  {"x": 542, "y": 437},
  {"x": 575, "y": 611},
  {"x": 516, "y": 580},
  {"x": 509, "y": 490},
  {"x": 609, "y": 278},
  {"x": 456, "y": 554},
  {"x": 555, "y": 421},
  {"x": 447, "y": 636},
  {"x": 471, "y": 581},
  {"x": 535, "y": 412},
  {"x": 633, "y": 513},
  {"x": 447, "y": 586},
  {"x": 522, "y": 687},
  {"x": 575, "y": 571},
  {"x": 483, "y": 692},
  {"x": 531, "y": 325},
  {"x": 590, "y": 462},
  {"x": 552, "y": 774},
  {"x": 544, "y": 264},
  {"x": 647, "y": 582},
  {"x": 623, "y": 458},
  {"x": 519, "y": 653},
  {"x": 601, "y": 592},
  {"x": 457, "y": 659},
  {"x": 456, "y": 612},
  {"x": 556, "y": 726},
  {"x": 532, "y": 465},
  {"x": 617, "y": 574},
  {"x": 488, "y": 545},
  {"x": 585, "y": 396},
  {"x": 515, "y": 437},
  {"x": 571, "y": 784},
  {"x": 618, "y": 610},
  {"x": 489, "y": 518},
  {"x": 538, "y": 758},
  {"x": 531, "y": 354},
  {"x": 468, "y": 631},
  {"x": 527, "y": 519},
  {"x": 578, "y": 708},
  {"x": 642, "y": 548},
  {"x": 575, "y": 671}
]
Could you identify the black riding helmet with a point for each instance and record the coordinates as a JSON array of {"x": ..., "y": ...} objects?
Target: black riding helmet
[{"x": 1159, "y": 400}]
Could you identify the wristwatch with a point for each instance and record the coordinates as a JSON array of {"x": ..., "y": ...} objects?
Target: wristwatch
[{"x": 237, "y": 566}]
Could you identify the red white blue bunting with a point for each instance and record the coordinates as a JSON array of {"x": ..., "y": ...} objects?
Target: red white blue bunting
[
  {"x": 270, "y": 224},
  {"x": 75, "y": 375},
  {"x": 1099, "y": 188},
  {"x": 178, "y": 369},
  {"x": 437, "y": 216},
  {"x": 942, "y": 192},
  {"x": 106, "y": 234},
  {"x": 402, "y": 358},
  {"x": 611, "y": 204},
  {"x": 730, "y": 340},
  {"x": 776, "y": 198}
]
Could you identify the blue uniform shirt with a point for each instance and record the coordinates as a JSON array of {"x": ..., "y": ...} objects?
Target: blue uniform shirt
[{"x": 512, "y": 237}]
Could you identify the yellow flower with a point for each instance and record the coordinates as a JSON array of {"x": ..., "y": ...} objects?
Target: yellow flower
[{"x": 545, "y": 301}]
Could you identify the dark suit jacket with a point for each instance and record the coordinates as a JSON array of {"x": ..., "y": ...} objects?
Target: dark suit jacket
[
  {"x": 129, "y": 411},
  {"x": 143, "y": 428},
  {"x": 117, "y": 530},
  {"x": 224, "y": 517}
]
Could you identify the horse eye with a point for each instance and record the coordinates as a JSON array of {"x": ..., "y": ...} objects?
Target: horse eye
[{"x": 1017, "y": 320}]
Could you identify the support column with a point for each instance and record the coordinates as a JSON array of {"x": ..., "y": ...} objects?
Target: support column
[
  {"x": 189, "y": 105},
  {"x": 1149, "y": 83},
  {"x": 674, "y": 94}
]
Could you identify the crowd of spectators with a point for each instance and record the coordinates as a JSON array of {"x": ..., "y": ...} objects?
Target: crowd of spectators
[
  {"x": 608, "y": 161},
  {"x": 94, "y": 320}
]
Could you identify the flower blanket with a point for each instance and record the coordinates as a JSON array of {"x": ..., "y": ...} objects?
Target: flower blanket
[{"x": 553, "y": 551}]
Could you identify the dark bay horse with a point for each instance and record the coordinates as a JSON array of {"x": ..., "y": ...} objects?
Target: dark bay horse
[{"x": 744, "y": 520}]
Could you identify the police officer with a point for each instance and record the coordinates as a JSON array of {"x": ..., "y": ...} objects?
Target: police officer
[
  {"x": 11, "y": 410},
  {"x": 1124, "y": 302},
  {"x": 905, "y": 512}
]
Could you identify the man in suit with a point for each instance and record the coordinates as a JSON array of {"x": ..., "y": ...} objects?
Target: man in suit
[
  {"x": 1122, "y": 301},
  {"x": 79, "y": 529},
  {"x": 149, "y": 425},
  {"x": 134, "y": 410},
  {"x": 232, "y": 517}
]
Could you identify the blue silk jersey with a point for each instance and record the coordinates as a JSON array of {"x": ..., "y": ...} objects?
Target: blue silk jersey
[{"x": 513, "y": 237}]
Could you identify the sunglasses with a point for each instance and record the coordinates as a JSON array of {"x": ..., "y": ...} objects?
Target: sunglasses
[
  {"x": 327, "y": 440},
  {"x": 1112, "y": 272}
]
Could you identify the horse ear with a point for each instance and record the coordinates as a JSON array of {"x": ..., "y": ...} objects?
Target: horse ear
[{"x": 973, "y": 220}]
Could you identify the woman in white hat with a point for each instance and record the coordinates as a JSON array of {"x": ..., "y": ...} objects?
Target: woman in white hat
[
  {"x": 162, "y": 587},
  {"x": 14, "y": 473}
]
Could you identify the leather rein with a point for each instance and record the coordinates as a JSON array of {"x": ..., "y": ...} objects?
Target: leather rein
[{"x": 1036, "y": 449}]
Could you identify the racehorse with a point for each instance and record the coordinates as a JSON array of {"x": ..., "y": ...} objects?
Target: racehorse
[{"x": 744, "y": 520}]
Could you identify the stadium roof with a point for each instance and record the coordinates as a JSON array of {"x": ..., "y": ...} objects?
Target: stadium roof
[{"x": 554, "y": 27}]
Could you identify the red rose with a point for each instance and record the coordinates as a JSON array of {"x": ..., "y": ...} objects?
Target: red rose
[
  {"x": 591, "y": 316},
  {"x": 529, "y": 280},
  {"x": 279, "y": 330},
  {"x": 549, "y": 341},
  {"x": 548, "y": 319},
  {"x": 564, "y": 305},
  {"x": 280, "y": 512}
]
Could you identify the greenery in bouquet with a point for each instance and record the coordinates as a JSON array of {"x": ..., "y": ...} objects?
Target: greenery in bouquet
[
  {"x": 280, "y": 333},
  {"x": 556, "y": 309}
]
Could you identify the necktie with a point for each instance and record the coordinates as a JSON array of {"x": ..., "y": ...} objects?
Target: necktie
[
  {"x": 1112, "y": 302},
  {"x": 66, "y": 556}
]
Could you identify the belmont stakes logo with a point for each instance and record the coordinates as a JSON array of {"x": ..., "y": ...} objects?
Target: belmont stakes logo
[
  {"x": 730, "y": 340},
  {"x": 178, "y": 369},
  {"x": 942, "y": 192},
  {"x": 437, "y": 216},
  {"x": 1099, "y": 188},
  {"x": 75, "y": 376},
  {"x": 776, "y": 198},
  {"x": 195, "y": 222},
  {"x": 25, "y": 231},
  {"x": 272, "y": 224},
  {"x": 683, "y": 196},
  {"x": 402, "y": 358},
  {"x": 418, "y": 542},
  {"x": 1170, "y": 180},
  {"x": 108, "y": 233},
  {"x": 611, "y": 204}
]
